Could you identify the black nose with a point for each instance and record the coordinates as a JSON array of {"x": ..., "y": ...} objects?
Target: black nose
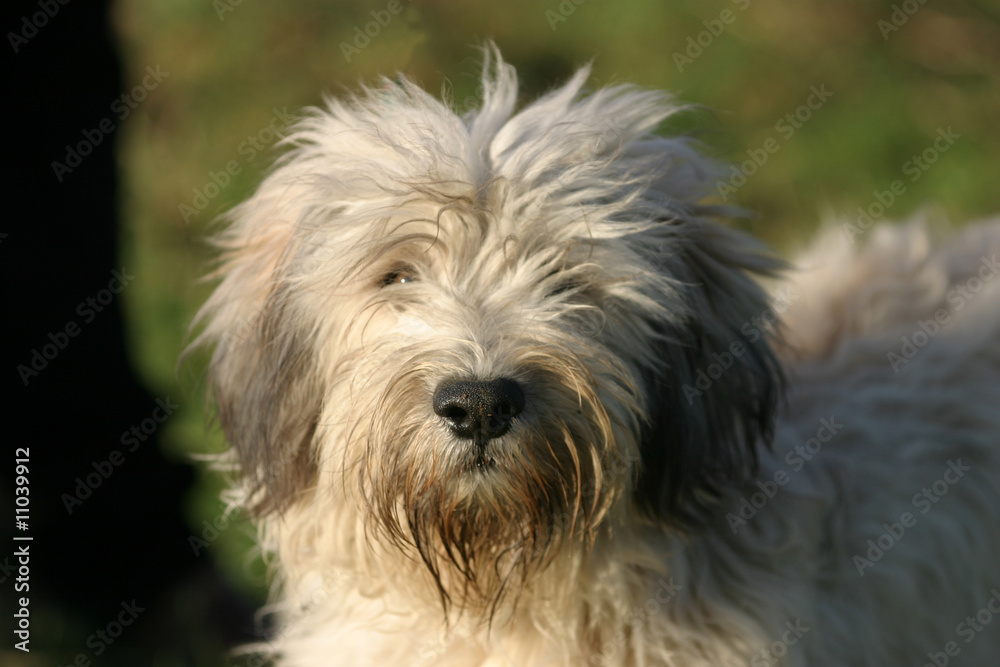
[{"x": 479, "y": 411}]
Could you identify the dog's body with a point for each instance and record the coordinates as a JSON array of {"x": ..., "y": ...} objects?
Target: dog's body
[{"x": 505, "y": 384}]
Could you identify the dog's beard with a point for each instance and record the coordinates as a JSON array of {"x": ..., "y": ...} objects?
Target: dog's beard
[{"x": 485, "y": 516}]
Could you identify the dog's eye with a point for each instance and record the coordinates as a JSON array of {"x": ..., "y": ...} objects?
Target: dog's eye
[{"x": 398, "y": 275}]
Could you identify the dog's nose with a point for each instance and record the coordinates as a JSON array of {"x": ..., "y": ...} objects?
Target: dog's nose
[{"x": 479, "y": 411}]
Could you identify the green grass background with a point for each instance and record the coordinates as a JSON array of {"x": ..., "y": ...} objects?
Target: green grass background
[{"x": 230, "y": 64}]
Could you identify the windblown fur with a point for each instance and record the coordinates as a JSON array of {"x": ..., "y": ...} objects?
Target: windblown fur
[{"x": 664, "y": 496}]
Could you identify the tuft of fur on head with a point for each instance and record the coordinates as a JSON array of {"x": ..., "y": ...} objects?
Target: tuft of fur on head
[{"x": 566, "y": 246}]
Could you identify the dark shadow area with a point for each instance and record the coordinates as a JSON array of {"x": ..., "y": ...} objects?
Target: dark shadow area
[{"x": 109, "y": 544}]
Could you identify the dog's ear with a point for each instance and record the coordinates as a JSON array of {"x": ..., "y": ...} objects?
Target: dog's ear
[
  {"x": 713, "y": 398},
  {"x": 268, "y": 400},
  {"x": 263, "y": 376}
]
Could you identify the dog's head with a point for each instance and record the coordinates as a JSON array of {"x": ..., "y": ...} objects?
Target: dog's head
[{"x": 485, "y": 335}]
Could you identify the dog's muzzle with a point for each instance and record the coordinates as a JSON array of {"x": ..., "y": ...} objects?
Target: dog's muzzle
[{"x": 479, "y": 411}]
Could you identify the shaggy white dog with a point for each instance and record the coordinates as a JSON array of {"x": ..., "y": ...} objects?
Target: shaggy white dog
[{"x": 503, "y": 391}]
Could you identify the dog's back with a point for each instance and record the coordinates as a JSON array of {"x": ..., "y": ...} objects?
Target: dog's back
[{"x": 892, "y": 458}]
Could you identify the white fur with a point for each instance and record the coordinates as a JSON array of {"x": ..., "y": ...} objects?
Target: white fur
[{"x": 568, "y": 247}]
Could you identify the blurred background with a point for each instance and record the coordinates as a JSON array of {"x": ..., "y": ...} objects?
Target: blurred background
[{"x": 824, "y": 107}]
